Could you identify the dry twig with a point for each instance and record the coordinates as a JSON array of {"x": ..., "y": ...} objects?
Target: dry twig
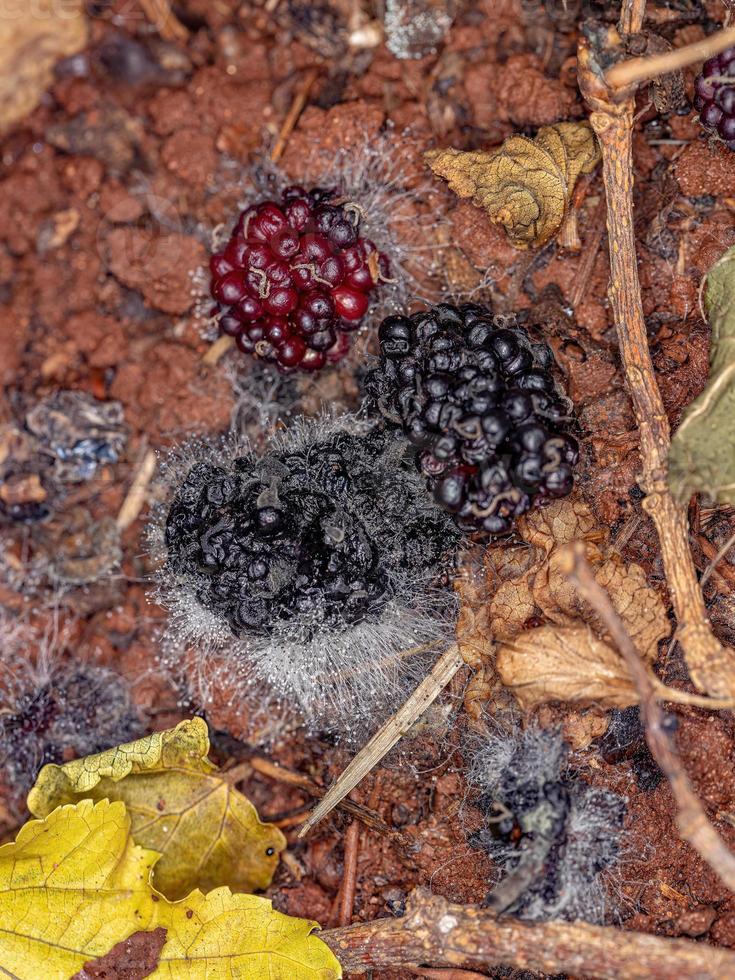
[
  {"x": 349, "y": 877},
  {"x": 135, "y": 497},
  {"x": 692, "y": 820},
  {"x": 370, "y": 819},
  {"x": 389, "y": 734},
  {"x": 632, "y": 15},
  {"x": 711, "y": 666},
  {"x": 162, "y": 17},
  {"x": 636, "y": 70},
  {"x": 435, "y": 931},
  {"x": 292, "y": 117}
]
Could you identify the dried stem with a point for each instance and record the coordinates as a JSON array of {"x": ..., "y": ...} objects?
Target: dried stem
[
  {"x": 349, "y": 877},
  {"x": 389, "y": 734},
  {"x": 636, "y": 70},
  {"x": 267, "y": 768},
  {"x": 691, "y": 818},
  {"x": 711, "y": 666},
  {"x": 632, "y": 15},
  {"x": 165, "y": 21},
  {"x": 435, "y": 931},
  {"x": 292, "y": 117},
  {"x": 135, "y": 497}
]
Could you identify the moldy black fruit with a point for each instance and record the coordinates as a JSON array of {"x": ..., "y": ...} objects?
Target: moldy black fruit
[
  {"x": 478, "y": 401},
  {"x": 310, "y": 582},
  {"x": 313, "y": 535}
]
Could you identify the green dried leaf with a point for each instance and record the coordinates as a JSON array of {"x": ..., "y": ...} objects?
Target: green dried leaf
[{"x": 702, "y": 454}]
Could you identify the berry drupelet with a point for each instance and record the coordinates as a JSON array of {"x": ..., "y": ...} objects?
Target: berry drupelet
[
  {"x": 303, "y": 539},
  {"x": 478, "y": 401},
  {"x": 294, "y": 279},
  {"x": 715, "y": 96}
]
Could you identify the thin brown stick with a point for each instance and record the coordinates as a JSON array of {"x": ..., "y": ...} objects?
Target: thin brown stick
[
  {"x": 711, "y": 666},
  {"x": 165, "y": 21},
  {"x": 715, "y": 557},
  {"x": 691, "y": 818},
  {"x": 292, "y": 117},
  {"x": 632, "y": 15},
  {"x": 135, "y": 497},
  {"x": 589, "y": 253},
  {"x": 437, "y": 932},
  {"x": 389, "y": 734},
  {"x": 218, "y": 349},
  {"x": 370, "y": 819},
  {"x": 636, "y": 70},
  {"x": 422, "y": 971},
  {"x": 349, "y": 878}
]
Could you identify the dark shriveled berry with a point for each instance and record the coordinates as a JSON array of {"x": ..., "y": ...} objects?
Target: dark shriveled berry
[
  {"x": 314, "y": 536},
  {"x": 714, "y": 96},
  {"x": 477, "y": 400},
  {"x": 299, "y": 262}
]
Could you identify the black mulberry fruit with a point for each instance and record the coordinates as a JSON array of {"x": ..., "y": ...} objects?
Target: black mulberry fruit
[{"x": 478, "y": 401}]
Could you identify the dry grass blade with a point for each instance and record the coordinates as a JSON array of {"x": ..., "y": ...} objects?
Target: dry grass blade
[{"x": 389, "y": 734}]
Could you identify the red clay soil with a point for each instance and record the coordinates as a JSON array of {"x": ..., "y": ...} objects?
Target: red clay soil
[{"x": 109, "y": 194}]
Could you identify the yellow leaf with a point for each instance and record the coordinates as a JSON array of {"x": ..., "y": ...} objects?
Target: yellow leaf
[
  {"x": 74, "y": 885},
  {"x": 242, "y": 932},
  {"x": 208, "y": 834},
  {"x": 526, "y": 185},
  {"x": 71, "y": 886}
]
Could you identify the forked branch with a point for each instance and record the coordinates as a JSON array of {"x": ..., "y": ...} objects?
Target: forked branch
[{"x": 711, "y": 666}]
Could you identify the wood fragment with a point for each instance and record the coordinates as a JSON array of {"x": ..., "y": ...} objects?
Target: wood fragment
[
  {"x": 365, "y": 815},
  {"x": 389, "y": 734},
  {"x": 217, "y": 350},
  {"x": 691, "y": 818},
  {"x": 349, "y": 877},
  {"x": 161, "y": 16},
  {"x": 135, "y": 498},
  {"x": 636, "y": 70},
  {"x": 437, "y": 932},
  {"x": 632, "y": 15},
  {"x": 292, "y": 117},
  {"x": 711, "y": 666},
  {"x": 422, "y": 971}
]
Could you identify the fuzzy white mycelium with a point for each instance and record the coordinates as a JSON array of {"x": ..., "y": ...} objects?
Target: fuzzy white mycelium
[
  {"x": 390, "y": 192},
  {"x": 52, "y": 705},
  {"x": 305, "y": 581},
  {"x": 556, "y": 837}
]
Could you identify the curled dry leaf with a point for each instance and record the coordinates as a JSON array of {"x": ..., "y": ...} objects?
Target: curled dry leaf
[
  {"x": 207, "y": 833},
  {"x": 702, "y": 454},
  {"x": 526, "y": 185},
  {"x": 553, "y": 663},
  {"x": 542, "y": 590},
  {"x": 76, "y": 884},
  {"x": 549, "y": 647}
]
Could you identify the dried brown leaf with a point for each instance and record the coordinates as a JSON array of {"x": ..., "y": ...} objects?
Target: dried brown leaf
[
  {"x": 553, "y": 663},
  {"x": 542, "y": 588},
  {"x": 526, "y": 185}
]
